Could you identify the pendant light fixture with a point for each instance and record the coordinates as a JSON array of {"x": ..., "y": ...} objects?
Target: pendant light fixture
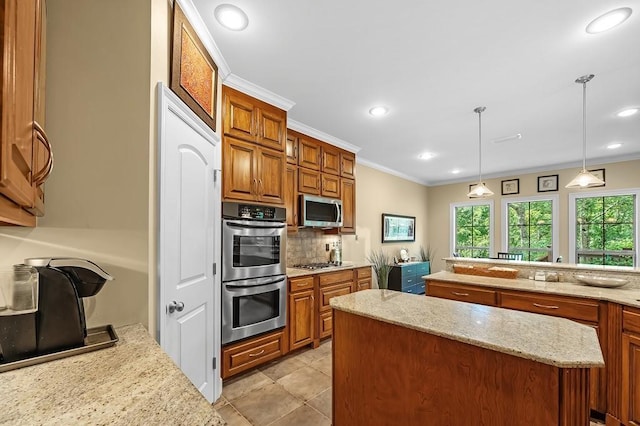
[
  {"x": 584, "y": 178},
  {"x": 480, "y": 191}
]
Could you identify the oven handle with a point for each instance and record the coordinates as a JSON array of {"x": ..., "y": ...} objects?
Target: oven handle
[
  {"x": 254, "y": 226},
  {"x": 259, "y": 282}
]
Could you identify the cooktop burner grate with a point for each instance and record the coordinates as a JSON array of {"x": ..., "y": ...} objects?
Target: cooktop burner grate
[{"x": 315, "y": 265}]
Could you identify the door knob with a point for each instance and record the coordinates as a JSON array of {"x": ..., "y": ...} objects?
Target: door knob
[{"x": 175, "y": 306}]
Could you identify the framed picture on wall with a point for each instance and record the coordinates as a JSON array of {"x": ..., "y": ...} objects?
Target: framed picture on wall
[
  {"x": 599, "y": 173},
  {"x": 547, "y": 183},
  {"x": 194, "y": 75},
  {"x": 511, "y": 187},
  {"x": 396, "y": 228}
]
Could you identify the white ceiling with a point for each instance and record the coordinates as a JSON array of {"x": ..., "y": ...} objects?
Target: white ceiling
[{"x": 432, "y": 63}]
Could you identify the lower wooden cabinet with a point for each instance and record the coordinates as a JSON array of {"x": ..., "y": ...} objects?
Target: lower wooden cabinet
[
  {"x": 241, "y": 356},
  {"x": 363, "y": 278},
  {"x": 302, "y": 312},
  {"x": 630, "y": 413},
  {"x": 462, "y": 293},
  {"x": 561, "y": 306}
]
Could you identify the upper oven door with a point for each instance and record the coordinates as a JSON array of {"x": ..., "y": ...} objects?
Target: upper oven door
[{"x": 253, "y": 248}]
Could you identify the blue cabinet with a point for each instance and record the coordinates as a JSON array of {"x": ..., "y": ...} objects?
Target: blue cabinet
[{"x": 405, "y": 277}]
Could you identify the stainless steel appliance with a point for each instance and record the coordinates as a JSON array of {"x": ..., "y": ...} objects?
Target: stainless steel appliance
[
  {"x": 58, "y": 323},
  {"x": 320, "y": 212},
  {"x": 254, "y": 281}
]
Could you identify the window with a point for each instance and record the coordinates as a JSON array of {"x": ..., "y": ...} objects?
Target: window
[
  {"x": 603, "y": 228},
  {"x": 472, "y": 229},
  {"x": 530, "y": 227}
]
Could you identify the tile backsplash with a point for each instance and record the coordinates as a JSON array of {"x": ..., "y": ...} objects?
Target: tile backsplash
[{"x": 309, "y": 246}]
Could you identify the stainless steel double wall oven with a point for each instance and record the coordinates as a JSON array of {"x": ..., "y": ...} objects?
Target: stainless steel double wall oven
[{"x": 254, "y": 280}]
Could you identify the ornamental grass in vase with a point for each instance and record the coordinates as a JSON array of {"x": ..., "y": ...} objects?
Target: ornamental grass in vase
[{"x": 381, "y": 263}]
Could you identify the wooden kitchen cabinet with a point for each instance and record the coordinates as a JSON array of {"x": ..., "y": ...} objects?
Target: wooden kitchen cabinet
[
  {"x": 291, "y": 197},
  {"x": 630, "y": 413},
  {"x": 331, "y": 284},
  {"x": 252, "y": 120},
  {"x": 302, "y": 312},
  {"x": 330, "y": 186},
  {"x": 347, "y": 165},
  {"x": 348, "y": 196},
  {"x": 308, "y": 153},
  {"x": 246, "y": 354},
  {"x": 330, "y": 160},
  {"x": 308, "y": 181},
  {"x": 291, "y": 148},
  {"x": 462, "y": 293},
  {"x": 363, "y": 278},
  {"x": 252, "y": 173},
  {"x": 562, "y": 306},
  {"x": 25, "y": 151}
]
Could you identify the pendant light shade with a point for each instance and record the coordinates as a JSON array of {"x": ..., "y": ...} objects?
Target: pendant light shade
[
  {"x": 585, "y": 179},
  {"x": 480, "y": 191}
]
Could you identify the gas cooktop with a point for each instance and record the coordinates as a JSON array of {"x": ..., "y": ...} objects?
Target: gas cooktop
[{"x": 316, "y": 265}]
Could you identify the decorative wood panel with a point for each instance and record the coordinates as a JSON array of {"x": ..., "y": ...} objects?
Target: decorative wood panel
[
  {"x": 614, "y": 359},
  {"x": 574, "y": 397},
  {"x": 630, "y": 379}
]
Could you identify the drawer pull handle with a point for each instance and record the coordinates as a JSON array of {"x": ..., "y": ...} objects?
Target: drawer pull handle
[
  {"x": 301, "y": 284},
  {"x": 258, "y": 354},
  {"x": 459, "y": 294},
  {"x": 546, "y": 306}
]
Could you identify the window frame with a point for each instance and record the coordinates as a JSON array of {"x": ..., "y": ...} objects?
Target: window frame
[
  {"x": 596, "y": 194},
  {"x": 452, "y": 222},
  {"x": 555, "y": 218}
]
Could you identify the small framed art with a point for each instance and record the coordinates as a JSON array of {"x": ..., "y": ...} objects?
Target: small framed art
[
  {"x": 547, "y": 183},
  {"x": 511, "y": 187}
]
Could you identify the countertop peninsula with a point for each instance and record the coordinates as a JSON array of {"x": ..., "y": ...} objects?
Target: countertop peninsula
[
  {"x": 133, "y": 382},
  {"x": 553, "y": 341}
]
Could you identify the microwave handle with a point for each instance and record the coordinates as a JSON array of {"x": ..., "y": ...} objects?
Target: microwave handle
[
  {"x": 244, "y": 225},
  {"x": 338, "y": 213}
]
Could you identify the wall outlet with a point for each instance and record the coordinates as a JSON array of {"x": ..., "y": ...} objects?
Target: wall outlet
[{"x": 326, "y": 247}]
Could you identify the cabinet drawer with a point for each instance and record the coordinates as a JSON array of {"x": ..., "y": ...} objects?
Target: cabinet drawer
[
  {"x": 577, "y": 309},
  {"x": 302, "y": 283},
  {"x": 422, "y": 269},
  {"x": 409, "y": 281},
  {"x": 326, "y": 324},
  {"x": 631, "y": 321},
  {"x": 462, "y": 293},
  {"x": 326, "y": 293},
  {"x": 415, "y": 289},
  {"x": 363, "y": 272},
  {"x": 363, "y": 284},
  {"x": 336, "y": 277},
  {"x": 245, "y": 355}
]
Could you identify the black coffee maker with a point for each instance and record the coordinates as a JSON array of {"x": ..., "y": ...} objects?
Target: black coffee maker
[{"x": 59, "y": 323}]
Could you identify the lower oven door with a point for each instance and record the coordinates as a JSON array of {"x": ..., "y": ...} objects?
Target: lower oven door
[{"x": 254, "y": 306}]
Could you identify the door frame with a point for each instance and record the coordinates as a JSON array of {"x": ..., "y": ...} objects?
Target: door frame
[{"x": 168, "y": 101}]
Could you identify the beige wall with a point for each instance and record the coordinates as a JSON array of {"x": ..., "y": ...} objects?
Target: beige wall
[
  {"x": 377, "y": 193},
  {"x": 98, "y": 114},
  {"x": 618, "y": 176}
]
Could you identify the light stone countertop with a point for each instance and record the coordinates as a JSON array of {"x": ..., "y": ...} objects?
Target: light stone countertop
[
  {"x": 549, "y": 340},
  {"x": 625, "y": 296},
  {"x": 132, "y": 383},
  {"x": 298, "y": 272}
]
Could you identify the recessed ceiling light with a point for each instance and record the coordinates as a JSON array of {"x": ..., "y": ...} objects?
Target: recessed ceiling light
[
  {"x": 379, "y": 111},
  {"x": 608, "y": 20},
  {"x": 231, "y": 17},
  {"x": 455, "y": 171},
  {"x": 614, "y": 145},
  {"x": 426, "y": 156},
  {"x": 628, "y": 112}
]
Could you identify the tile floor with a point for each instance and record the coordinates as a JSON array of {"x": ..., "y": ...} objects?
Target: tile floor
[{"x": 292, "y": 391}]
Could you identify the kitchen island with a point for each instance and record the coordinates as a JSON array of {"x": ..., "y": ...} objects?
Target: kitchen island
[
  {"x": 406, "y": 359},
  {"x": 134, "y": 382}
]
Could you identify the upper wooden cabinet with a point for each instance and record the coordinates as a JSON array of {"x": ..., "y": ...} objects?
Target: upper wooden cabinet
[
  {"x": 252, "y": 173},
  {"x": 25, "y": 151},
  {"x": 291, "y": 197},
  {"x": 348, "y": 195},
  {"x": 252, "y": 120},
  {"x": 291, "y": 148},
  {"x": 308, "y": 153},
  {"x": 330, "y": 160},
  {"x": 347, "y": 164}
]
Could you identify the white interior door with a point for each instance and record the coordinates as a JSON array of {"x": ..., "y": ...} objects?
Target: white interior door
[{"x": 189, "y": 306}]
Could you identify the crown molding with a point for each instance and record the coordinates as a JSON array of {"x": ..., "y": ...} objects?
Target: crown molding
[
  {"x": 364, "y": 162},
  {"x": 245, "y": 86},
  {"x": 206, "y": 38},
  {"x": 318, "y": 134}
]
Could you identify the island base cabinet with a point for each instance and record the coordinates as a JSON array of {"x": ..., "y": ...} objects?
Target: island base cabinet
[
  {"x": 631, "y": 379},
  {"x": 458, "y": 384}
]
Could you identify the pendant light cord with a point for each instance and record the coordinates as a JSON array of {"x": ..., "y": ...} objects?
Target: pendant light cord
[
  {"x": 480, "y": 145},
  {"x": 584, "y": 126}
]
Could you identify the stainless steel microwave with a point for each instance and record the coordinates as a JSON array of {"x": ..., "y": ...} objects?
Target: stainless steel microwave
[{"x": 320, "y": 212}]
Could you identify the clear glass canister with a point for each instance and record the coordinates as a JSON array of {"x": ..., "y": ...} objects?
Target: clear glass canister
[{"x": 18, "y": 290}]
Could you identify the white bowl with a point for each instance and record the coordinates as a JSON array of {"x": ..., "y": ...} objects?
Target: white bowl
[{"x": 599, "y": 281}]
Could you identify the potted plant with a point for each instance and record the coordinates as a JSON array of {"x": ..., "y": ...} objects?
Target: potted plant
[
  {"x": 381, "y": 263},
  {"x": 426, "y": 254}
]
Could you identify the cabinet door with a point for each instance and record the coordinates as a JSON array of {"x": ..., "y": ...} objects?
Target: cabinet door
[
  {"x": 239, "y": 175},
  {"x": 18, "y": 60},
  {"x": 363, "y": 284},
  {"x": 291, "y": 148},
  {"x": 272, "y": 128},
  {"x": 326, "y": 293},
  {"x": 330, "y": 186},
  {"x": 271, "y": 175},
  {"x": 326, "y": 324},
  {"x": 239, "y": 114},
  {"x": 291, "y": 197},
  {"x": 308, "y": 181},
  {"x": 348, "y": 194},
  {"x": 347, "y": 165},
  {"x": 330, "y": 160},
  {"x": 308, "y": 154},
  {"x": 301, "y": 318},
  {"x": 631, "y": 379}
]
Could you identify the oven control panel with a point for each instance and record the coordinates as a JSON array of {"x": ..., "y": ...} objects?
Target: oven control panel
[{"x": 251, "y": 211}]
